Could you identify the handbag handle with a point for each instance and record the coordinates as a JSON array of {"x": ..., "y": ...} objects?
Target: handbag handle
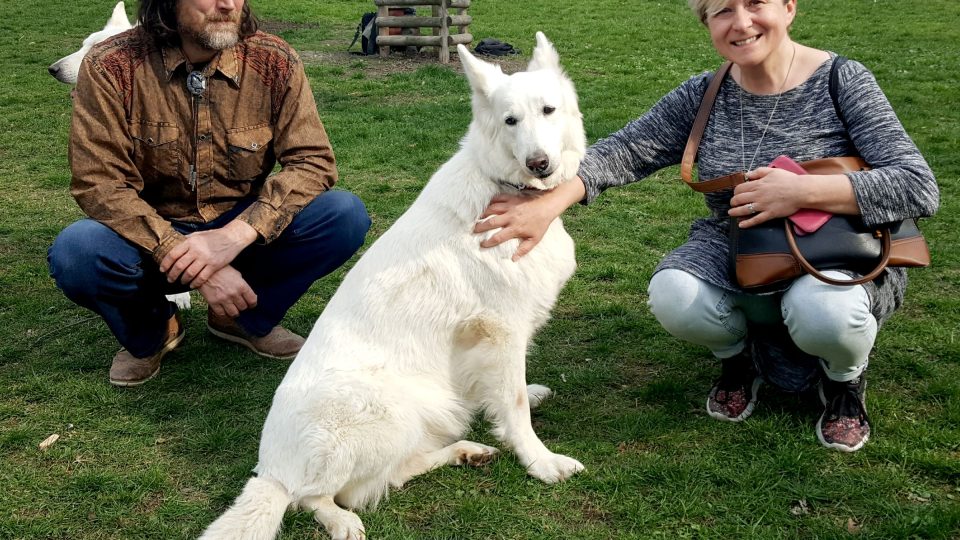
[{"x": 885, "y": 249}]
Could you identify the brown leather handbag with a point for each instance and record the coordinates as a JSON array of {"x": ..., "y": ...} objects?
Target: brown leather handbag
[{"x": 769, "y": 255}]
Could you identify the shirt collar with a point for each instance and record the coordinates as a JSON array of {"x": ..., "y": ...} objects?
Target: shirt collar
[{"x": 226, "y": 62}]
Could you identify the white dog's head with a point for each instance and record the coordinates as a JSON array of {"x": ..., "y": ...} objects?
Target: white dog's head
[
  {"x": 65, "y": 70},
  {"x": 529, "y": 122}
]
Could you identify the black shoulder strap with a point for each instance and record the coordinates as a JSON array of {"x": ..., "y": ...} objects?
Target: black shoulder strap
[{"x": 835, "y": 88}]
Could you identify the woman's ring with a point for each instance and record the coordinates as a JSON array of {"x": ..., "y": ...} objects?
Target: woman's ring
[{"x": 751, "y": 208}]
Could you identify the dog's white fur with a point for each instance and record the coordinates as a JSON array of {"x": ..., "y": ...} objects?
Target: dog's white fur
[
  {"x": 66, "y": 69},
  {"x": 427, "y": 328}
]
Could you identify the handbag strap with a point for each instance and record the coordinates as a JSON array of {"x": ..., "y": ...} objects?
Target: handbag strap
[
  {"x": 833, "y": 165},
  {"x": 885, "y": 252},
  {"x": 696, "y": 133},
  {"x": 834, "y": 87}
]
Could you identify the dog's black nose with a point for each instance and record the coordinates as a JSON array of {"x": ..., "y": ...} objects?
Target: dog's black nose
[
  {"x": 53, "y": 70},
  {"x": 538, "y": 163}
]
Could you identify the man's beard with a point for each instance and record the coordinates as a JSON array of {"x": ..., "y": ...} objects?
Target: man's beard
[{"x": 215, "y": 35}]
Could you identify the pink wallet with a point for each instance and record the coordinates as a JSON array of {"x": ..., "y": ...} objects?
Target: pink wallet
[{"x": 805, "y": 220}]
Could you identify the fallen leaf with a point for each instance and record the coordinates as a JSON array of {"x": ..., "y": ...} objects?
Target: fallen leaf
[
  {"x": 48, "y": 442},
  {"x": 800, "y": 508}
]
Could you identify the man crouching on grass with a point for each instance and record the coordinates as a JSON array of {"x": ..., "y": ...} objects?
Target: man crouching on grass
[{"x": 177, "y": 125}]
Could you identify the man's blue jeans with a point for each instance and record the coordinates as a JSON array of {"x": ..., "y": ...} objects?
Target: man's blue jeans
[{"x": 99, "y": 270}]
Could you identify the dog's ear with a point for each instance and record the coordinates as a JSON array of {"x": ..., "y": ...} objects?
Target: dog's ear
[
  {"x": 119, "y": 17},
  {"x": 483, "y": 76},
  {"x": 544, "y": 55}
]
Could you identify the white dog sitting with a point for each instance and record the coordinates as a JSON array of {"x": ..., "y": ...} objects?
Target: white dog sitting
[{"x": 427, "y": 328}]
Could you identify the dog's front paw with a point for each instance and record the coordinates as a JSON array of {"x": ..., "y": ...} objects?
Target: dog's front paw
[
  {"x": 346, "y": 526},
  {"x": 553, "y": 468}
]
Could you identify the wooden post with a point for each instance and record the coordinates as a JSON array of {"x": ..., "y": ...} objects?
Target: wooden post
[
  {"x": 444, "y": 33},
  {"x": 382, "y": 11},
  {"x": 441, "y": 21}
]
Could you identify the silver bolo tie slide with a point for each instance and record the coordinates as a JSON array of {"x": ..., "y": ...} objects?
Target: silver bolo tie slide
[{"x": 196, "y": 83}]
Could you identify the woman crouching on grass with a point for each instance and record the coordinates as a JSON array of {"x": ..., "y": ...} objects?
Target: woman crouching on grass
[{"x": 775, "y": 101}]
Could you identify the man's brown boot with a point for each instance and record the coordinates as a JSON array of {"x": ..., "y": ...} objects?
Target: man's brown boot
[
  {"x": 128, "y": 370},
  {"x": 280, "y": 343}
]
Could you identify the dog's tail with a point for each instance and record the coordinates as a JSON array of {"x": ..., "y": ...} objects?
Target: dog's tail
[{"x": 256, "y": 514}]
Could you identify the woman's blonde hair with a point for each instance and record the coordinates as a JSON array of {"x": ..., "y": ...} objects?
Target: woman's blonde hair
[{"x": 705, "y": 8}]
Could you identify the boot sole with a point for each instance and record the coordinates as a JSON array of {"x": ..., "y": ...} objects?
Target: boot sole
[{"x": 240, "y": 341}]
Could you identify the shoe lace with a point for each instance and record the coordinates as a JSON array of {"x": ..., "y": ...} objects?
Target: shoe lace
[{"x": 845, "y": 401}]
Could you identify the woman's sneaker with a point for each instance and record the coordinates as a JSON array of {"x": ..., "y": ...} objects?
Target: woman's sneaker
[
  {"x": 734, "y": 396},
  {"x": 844, "y": 424}
]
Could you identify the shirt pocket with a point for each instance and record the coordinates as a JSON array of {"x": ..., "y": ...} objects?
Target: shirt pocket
[
  {"x": 156, "y": 149},
  {"x": 247, "y": 151}
]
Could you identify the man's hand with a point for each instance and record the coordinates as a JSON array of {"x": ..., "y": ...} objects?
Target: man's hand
[
  {"x": 204, "y": 253},
  {"x": 227, "y": 293}
]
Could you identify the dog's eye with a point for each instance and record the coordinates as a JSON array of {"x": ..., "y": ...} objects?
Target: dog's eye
[
  {"x": 511, "y": 121},
  {"x": 548, "y": 109}
]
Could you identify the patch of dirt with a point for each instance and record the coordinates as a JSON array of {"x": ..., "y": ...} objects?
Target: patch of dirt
[{"x": 402, "y": 62}]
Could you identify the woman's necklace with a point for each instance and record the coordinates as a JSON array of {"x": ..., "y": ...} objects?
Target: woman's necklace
[{"x": 743, "y": 153}]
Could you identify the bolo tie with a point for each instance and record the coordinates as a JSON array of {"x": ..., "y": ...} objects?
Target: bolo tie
[{"x": 196, "y": 85}]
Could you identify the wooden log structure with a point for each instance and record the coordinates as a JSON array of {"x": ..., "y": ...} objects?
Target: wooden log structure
[{"x": 444, "y": 15}]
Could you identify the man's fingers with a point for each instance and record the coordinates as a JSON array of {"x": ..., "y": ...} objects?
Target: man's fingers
[
  {"x": 231, "y": 310},
  {"x": 202, "y": 277},
  {"x": 172, "y": 256},
  {"x": 191, "y": 272},
  {"x": 175, "y": 271},
  {"x": 249, "y": 296}
]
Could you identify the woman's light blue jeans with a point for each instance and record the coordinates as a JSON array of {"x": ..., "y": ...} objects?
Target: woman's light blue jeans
[{"x": 828, "y": 321}]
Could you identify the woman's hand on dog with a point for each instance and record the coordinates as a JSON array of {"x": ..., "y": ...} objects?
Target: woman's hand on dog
[{"x": 526, "y": 216}]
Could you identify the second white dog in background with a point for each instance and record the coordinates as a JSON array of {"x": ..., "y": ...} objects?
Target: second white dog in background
[
  {"x": 427, "y": 328},
  {"x": 66, "y": 69}
]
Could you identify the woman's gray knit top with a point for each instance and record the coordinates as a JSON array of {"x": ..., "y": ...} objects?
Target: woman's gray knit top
[{"x": 804, "y": 126}]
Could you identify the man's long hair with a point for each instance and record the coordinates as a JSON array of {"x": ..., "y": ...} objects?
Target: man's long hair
[{"x": 159, "y": 19}]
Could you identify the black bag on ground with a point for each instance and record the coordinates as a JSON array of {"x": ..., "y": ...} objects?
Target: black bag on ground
[
  {"x": 495, "y": 47},
  {"x": 367, "y": 34}
]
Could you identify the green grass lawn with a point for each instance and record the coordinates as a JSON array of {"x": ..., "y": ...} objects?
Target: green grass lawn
[{"x": 164, "y": 460}]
